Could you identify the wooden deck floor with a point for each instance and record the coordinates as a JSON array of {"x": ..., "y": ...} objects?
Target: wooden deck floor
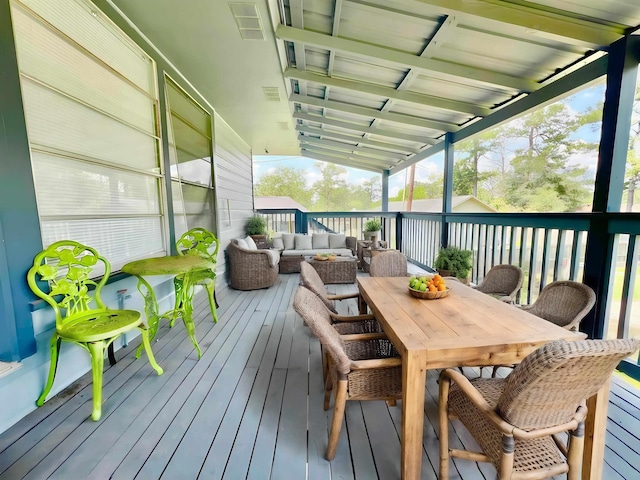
[{"x": 251, "y": 407}]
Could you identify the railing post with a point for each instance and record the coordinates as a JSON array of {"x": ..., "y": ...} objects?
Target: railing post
[
  {"x": 622, "y": 69},
  {"x": 447, "y": 193},
  {"x": 301, "y": 222},
  {"x": 385, "y": 191},
  {"x": 399, "y": 220}
]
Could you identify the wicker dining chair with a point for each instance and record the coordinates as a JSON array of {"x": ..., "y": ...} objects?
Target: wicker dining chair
[
  {"x": 564, "y": 303},
  {"x": 313, "y": 282},
  {"x": 390, "y": 263},
  {"x": 502, "y": 282},
  {"x": 516, "y": 420},
  {"x": 361, "y": 367}
]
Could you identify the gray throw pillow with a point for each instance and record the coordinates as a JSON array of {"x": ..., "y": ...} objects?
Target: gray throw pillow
[
  {"x": 303, "y": 242},
  {"x": 337, "y": 240},
  {"x": 320, "y": 240},
  {"x": 287, "y": 239}
]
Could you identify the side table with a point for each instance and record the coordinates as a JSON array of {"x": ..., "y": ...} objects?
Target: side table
[{"x": 364, "y": 249}]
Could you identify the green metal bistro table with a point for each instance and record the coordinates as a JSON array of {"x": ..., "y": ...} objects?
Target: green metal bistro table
[{"x": 184, "y": 266}]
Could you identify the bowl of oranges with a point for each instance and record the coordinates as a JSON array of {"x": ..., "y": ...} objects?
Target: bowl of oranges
[{"x": 428, "y": 287}]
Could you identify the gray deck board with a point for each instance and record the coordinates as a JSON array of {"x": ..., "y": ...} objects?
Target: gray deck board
[{"x": 251, "y": 407}]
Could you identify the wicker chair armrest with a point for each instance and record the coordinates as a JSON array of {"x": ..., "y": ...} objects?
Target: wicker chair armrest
[
  {"x": 572, "y": 424},
  {"x": 478, "y": 400},
  {"x": 343, "y": 296},
  {"x": 525, "y": 307},
  {"x": 358, "y": 337},
  {"x": 376, "y": 363},
  {"x": 351, "y": 318}
]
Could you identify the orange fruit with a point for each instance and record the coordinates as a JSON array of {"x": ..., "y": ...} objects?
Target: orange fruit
[
  {"x": 441, "y": 287},
  {"x": 433, "y": 288}
]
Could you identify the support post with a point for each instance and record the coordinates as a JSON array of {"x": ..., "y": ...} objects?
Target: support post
[
  {"x": 447, "y": 192},
  {"x": 622, "y": 73},
  {"x": 385, "y": 191}
]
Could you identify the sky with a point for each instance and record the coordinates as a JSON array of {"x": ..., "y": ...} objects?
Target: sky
[{"x": 578, "y": 102}]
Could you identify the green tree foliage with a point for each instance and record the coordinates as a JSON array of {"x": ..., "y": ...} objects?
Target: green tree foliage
[
  {"x": 285, "y": 182},
  {"x": 541, "y": 178},
  {"x": 632, "y": 175},
  {"x": 466, "y": 174},
  {"x": 331, "y": 192}
]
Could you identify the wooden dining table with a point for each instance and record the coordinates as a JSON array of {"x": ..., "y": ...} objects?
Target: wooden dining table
[{"x": 465, "y": 328}]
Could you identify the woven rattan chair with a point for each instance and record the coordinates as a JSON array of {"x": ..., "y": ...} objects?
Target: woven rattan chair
[
  {"x": 502, "y": 282},
  {"x": 250, "y": 269},
  {"x": 391, "y": 263},
  {"x": 516, "y": 420},
  {"x": 361, "y": 367},
  {"x": 564, "y": 303},
  {"x": 313, "y": 282}
]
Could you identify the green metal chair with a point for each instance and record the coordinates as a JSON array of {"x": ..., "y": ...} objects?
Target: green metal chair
[
  {"x": 67, "y": 266},
  {"x": 198, "y": 241}
]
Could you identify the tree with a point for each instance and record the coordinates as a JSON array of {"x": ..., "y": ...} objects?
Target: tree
[
  {"x": 471, "y": 152},
  {"x": 285, "y": 182},
  {"x": 332, "y": 191},
  {"x": 541, "y": 179},
  {"x": 632, "y": 180},
  {"x": 373, "y": 187}
]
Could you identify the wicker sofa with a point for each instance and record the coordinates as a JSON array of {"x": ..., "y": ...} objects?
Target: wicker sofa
[
  {"x": 295, "y": 247},
  {"x": 250, "y": 269}
]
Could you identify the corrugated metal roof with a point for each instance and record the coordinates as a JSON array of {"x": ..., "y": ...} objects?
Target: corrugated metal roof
[{"x": 374, "y": 83}]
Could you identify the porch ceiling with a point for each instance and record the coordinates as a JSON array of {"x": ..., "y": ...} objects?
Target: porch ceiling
[{"x": 373, "y": 83}]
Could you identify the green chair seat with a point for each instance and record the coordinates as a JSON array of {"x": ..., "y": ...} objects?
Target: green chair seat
[
  {"x": 67, "y": 267},
  {"x": 100, "y": 325}
]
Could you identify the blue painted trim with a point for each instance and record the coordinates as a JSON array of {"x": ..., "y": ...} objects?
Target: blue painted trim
[
  {"x": 21, "y": 235},
  {"x": 629, "y": 368},
  {"x": 447, "y": 193}
]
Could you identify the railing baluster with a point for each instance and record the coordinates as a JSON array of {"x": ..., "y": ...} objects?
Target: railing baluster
[
  {"x": 548, "y": 234},
  {"x": 560, "y": 253},
  {"x": 628, "y": 287}
]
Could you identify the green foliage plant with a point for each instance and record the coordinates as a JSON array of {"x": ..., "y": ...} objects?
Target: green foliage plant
[
  {"x": 256, "y": 225},
  {"x": 456, "y": 260},
  {"x": 372, "y": 225}
]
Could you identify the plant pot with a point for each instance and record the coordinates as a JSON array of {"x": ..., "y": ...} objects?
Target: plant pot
[
  {"x": 371, "y": 236},
  {"x": 261, "y": 241},
  {"x": 447, "y": 273}
]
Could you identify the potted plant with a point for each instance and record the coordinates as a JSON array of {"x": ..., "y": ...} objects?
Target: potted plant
[
  {"x": 256, "y": 228},
  {"x": 454, "y": 262},
  {"x": 371, "y": 229}
]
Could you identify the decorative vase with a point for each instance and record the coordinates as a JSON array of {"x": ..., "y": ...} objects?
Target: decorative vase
[{"x": 371, "y": 236}]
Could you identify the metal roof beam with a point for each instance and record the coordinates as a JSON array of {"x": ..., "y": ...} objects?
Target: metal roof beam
[
  {"x": 390, "y": 93},
  {"x": 340, "y": 161},
  {"x": 362, "y": 159},
  {"x": 535, "y": 19},
  {"x": 394, "y": 147},
  {"x": 373, "y": 113},
  {"x": 351, "y": 148},
  {"x": 362, "y": 129},
  {"x": 404, "y": 60}
]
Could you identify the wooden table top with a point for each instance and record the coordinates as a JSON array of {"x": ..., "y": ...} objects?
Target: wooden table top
[
  {"x": 466, "y": 328},
  {"x": 167, "y": 265}
]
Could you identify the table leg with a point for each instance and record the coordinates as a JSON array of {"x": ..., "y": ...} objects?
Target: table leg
[
  {"x": 413, "y": 386},
  {"x": 150, "y": 308},
  {"x": 595, "y": 432},
  {"x": 187, "y": 311}
]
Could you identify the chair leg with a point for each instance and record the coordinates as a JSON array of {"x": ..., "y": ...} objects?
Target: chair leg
[
  {"x": 147, "y": 348},
  {"x": 443, "y": 426},
  {"x": 212, "y": 302},
  {"x": 54, "y": 348},
  {"x": 506, "y": 461},
  {"x": 178, "y": 285},
  {"x": 576, "y": 450},
  {"x": 338, "y": 417},
  {"x": 96, "y": 349}
]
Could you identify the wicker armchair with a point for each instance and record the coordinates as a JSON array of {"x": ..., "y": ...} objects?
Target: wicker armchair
[
  {"x": 564, "y": 303},
  {"x": 391, "y": 263},
  {"x": 250, "y": 269},
  {"x": 502, "y": 282},
  {"x": 361, "y": 367},
  {"x": 516, "y": 420}
]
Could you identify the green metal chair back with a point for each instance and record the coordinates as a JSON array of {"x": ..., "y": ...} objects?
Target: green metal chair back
[
  {"x": 199, "y": 241},
  {"x": 81, "y": 317},
  {"x": 67, "y": 266}
]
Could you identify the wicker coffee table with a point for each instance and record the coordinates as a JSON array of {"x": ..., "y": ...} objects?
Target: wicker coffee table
[{"x": 340, "y": 270}]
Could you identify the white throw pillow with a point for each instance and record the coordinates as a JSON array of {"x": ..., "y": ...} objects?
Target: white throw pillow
[
  {"x": 303, "y": 242},
  {"x": 287, "y": 239},
  {"x": 337, "y": 240},
  {"x": 241, "y": 243},
  {"x": 251, "y": 244},
  {"x": 320, "y": 240},
  {"x": 278, "y": 243}
]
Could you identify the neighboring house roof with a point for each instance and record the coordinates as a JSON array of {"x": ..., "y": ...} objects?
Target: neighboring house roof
[
  {"x": 277, "y": 203},
  {"x": 462, "y": 203}
]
